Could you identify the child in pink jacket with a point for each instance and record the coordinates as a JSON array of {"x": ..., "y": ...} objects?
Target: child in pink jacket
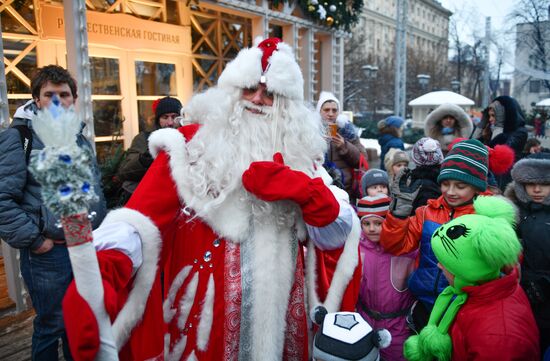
[{"x": 384, "y": 299}]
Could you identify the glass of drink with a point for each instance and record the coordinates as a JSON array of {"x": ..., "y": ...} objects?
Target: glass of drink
[{"x": 333, "y": 129}]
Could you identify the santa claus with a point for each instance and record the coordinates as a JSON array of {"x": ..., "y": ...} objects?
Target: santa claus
[{"x": 206, "y": 261}]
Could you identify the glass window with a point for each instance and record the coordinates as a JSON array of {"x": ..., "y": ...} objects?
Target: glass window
[
  {"x": 534, "y": 86},
  {"x": 105, "y": 76},
  {"x": 275, "y": 31},
  {"x": 155, "y": 78},
  {"x": 25, "y": 9},
  {"x": 107, "y": 118},
  {"x": 106, "y": 150},
  {"x": 146, "y": 117},
  {"x": 16, "y": 81},
  {"x": 217, "y": 38}
]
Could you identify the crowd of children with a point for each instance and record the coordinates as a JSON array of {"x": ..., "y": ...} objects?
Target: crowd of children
[{"x": 451, "y": 270}]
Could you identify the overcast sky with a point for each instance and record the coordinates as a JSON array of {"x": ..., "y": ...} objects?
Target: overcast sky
[{"x": 470, "y": 16}]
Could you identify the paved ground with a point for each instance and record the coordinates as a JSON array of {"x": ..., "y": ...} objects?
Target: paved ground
[{"x": 15, "y": 337}]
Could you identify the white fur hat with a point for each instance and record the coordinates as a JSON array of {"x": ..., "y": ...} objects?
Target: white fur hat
[
  {"x": 269, "y": 61},
  {"x": 326, "y": 97}
]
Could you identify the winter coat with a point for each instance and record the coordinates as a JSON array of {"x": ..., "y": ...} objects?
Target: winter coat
[
  {"x": 495, "y": 323},
  {"x": 534, "y": 231},
  {"x": 388, "y": 141},
  {"x": 433, "y": 129},
  {"x": 137, "y": 160},
  {"x": 24, "y": 220},
  {"x": 347, "y": 159},
  {"x": 430, "y": 188},
  {"x": 400, "y": 236},
  {"x": 384, "y": 290},
  {"x": 514, "y": 134}
]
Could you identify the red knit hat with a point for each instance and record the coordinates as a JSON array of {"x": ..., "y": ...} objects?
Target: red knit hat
[{"x": 376, "y": 206}]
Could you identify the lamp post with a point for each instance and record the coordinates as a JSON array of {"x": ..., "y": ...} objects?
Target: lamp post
[
  {"x": 423, "y": 80},
  {"x": 370, "y": 72},
  {"x": 455, "y": 86}
]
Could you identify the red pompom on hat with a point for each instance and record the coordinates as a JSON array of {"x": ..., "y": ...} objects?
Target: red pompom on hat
[{"x": 501, "y": 157}]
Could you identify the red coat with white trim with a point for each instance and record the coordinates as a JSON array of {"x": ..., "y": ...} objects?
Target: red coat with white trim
[{"x": 224, "y": 297}]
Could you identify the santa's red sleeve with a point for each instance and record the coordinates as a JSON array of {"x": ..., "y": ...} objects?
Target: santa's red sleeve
[
  {"x": 334, "y": 276},
  {"x": 326, "y": 266},
  {"x": 134, "y": 302}
]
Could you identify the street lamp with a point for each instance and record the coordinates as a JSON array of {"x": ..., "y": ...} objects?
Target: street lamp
[
  {"x": 455, "y": 86},
  {"x": 369, "y": 70},
  {"x": 370, "y": 73},
  {"x": 423, "y": 80}
]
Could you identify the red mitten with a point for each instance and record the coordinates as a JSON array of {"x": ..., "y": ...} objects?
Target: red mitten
[
  {"x": 274, "y": 181},
  {"x": 80, "y": 322}
]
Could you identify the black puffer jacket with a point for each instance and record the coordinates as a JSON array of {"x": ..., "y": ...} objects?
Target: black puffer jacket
[
  {"x": 534, "y": 231},
  {"x": 24, "y": 220},
  {"x": 514, "y": 134}
]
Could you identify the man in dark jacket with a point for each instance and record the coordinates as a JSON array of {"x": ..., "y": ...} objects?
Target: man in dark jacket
[
  {"x": 138, "y": 159},
  {"x": 26, "y": 224}
]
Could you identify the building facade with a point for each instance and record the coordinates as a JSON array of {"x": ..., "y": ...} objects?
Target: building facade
[
  {"x": 141, "y": 50},
  {"x": 531, "y": 82},
  {"x": 427, "y": 29},
  {"x": 374, "y": 47}
]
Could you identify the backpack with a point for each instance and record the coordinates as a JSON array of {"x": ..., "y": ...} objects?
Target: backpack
[{"x": 25, "y": 134}]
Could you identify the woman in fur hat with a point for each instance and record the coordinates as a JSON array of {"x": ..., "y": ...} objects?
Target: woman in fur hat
[
  {"x": 530, "y": 191},
  {"x": 446, "y": 123}
]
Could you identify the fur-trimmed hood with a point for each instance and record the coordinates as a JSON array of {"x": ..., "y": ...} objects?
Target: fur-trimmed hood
[{"x": 433, "y": 129}]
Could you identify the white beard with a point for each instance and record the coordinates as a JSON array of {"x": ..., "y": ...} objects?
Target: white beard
[{"x": 232, "y": 137}]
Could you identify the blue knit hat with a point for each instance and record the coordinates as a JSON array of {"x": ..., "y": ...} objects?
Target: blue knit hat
[{"x": 394, "y": 121}]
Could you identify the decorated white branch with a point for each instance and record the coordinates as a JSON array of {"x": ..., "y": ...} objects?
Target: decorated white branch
[{"x": 64, "y": 171}]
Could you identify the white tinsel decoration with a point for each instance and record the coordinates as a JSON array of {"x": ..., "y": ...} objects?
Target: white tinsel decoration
[
  {"x": 322, "y": 12},
  {"x": 56, "y": 126},
  {"x": 62, "y": 168}
]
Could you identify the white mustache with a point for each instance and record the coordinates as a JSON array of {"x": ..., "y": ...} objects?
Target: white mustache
[{"x": 264, "y": 109}]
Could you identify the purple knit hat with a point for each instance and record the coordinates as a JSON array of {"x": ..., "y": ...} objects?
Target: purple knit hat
[{"x": 427, "y": 151}]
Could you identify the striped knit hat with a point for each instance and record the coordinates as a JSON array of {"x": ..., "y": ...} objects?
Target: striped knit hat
[
  {"x": 376, "y": 206},
  {"x": 467, "y": 162}
]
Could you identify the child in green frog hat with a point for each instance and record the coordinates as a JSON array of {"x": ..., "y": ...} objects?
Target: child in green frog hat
[{"x": 483, "y": 314}]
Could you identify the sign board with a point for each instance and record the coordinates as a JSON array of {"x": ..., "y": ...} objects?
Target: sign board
[{"x": 119, "y": 30}]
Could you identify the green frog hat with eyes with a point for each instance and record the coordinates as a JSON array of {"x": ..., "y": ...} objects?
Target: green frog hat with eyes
[{"x": 473, "y": 248}]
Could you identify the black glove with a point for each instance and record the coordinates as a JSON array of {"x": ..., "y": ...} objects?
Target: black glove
[{"x": 404, "y": 191}]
